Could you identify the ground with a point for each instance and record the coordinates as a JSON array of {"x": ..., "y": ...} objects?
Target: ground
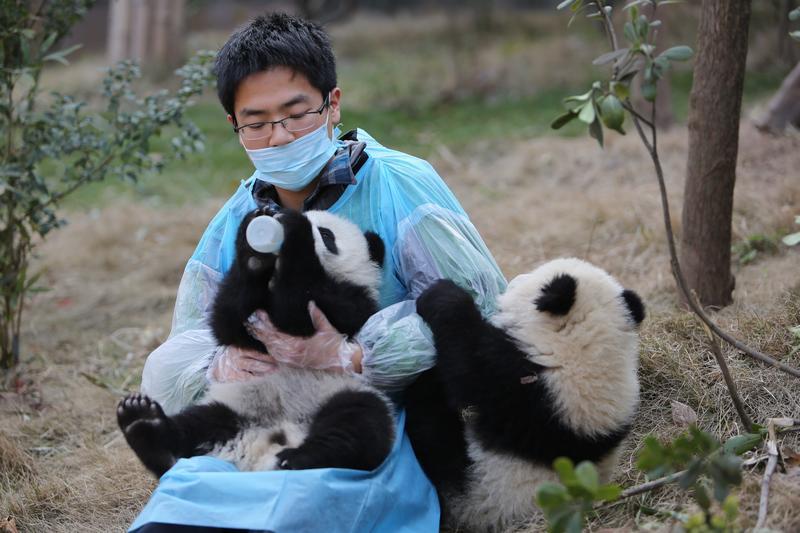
[{"x": 113, "y": 273}]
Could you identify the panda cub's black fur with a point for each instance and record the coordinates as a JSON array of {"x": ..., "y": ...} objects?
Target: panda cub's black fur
[
  {"x": 293, "y": 418},
  {"x": 553, "y": 373}
]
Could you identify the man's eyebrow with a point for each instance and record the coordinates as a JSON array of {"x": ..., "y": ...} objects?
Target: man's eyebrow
[{"x": 299, "y": 99}]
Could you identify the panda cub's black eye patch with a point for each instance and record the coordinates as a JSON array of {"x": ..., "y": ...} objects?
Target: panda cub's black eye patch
[{"x": 328, "y": 239}]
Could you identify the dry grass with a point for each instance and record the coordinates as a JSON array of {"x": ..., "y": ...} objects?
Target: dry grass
[{"x": 113, "y": 273}]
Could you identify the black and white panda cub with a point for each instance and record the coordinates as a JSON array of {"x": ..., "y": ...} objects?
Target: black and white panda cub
[
  {"x": 553, "y": 373},
  {"x": 293, "y": 418}
]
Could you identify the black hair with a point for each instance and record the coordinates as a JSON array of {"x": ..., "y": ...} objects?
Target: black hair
[{"x": 275, "y": 40}]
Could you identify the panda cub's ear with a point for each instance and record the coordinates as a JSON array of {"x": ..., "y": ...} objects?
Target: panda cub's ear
[
  {"x": 634, "y": 305},
  {"x": 377, "y": 249},
  {"x": 558, "y": 295}
]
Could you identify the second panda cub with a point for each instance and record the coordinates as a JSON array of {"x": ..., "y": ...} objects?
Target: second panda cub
[
  {"x": 553, "y": 373},
  {"x": 294, "y": 418}
]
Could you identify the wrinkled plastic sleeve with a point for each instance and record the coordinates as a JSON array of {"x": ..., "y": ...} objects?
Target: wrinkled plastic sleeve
[
  {"x": 174, "y": 374},
  {"x": 433, "y": 243}
]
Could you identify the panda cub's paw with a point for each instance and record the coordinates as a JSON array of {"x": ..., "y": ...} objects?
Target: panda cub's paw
[
  {"x": 146, "y": 428},
  {"x": 443, "y": 300},
  {"x": 138, "y": 407},
  {"x": 296, "y": 459}
]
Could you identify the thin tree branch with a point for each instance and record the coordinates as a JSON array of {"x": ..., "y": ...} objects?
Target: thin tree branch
[
  {"x": 650, "y": 485},
  {"x": 612, "y": 35},
  {"x": 726, "y": 374},
  {"x": 629, "y": 108},
  {"x": 678, "y": 274}
]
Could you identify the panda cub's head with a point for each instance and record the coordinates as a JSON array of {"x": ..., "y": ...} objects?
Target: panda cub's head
[
  {"x": 579, "y": 322},
  {"x": 345, "y": 252}
]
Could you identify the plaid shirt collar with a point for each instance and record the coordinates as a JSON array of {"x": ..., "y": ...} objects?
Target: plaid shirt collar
[{"x": 334, "y": 177}]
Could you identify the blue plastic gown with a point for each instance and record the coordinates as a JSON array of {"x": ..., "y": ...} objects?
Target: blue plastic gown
[
  {"x": 428, "y": 236},
  {"x": 206, "y": 491}
]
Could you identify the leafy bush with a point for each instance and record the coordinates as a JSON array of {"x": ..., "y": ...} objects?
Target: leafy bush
[
  {"x": 53, "y": 144},
  {"x": 695, "y": 460}
]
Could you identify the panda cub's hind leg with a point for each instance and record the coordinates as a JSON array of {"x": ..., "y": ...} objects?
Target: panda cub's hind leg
[
  {"x": 147, "y": 430},
  {"x": 353, "y": 429},
  {"x": 159, "y": 440}
]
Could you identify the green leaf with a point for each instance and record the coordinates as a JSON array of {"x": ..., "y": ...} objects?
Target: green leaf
[
  {"x": 612, "y": 113},
  {"x": 792, "y": 239},
  {"x": 677, "y": 53},
  {"x": 565, "y": 470},
  {"x": 48, "y": 42},
  {"x": 578, "y": 98},
  {"x": 741, "y": 443},
  {"x": 596, "y": 131},
  {"x": 630, "y": 33},
  {"x": 609, "y": 493},
  {"x": 565, "y": 3},
  {"x": 794, "y": 14},
  {"x": 587, "y": 476},
  {"x": 575, "y": 523},
  {"x": 795, "y": 35},
  {"x": 701, "y": 496},
  {"x": 25, "y": 48},
  {"x": 649, "y": 90},
  {"x": 608, "y": 57},
  {"x": 60, "y": 56},
  {"x": 634, "y": 3},
  {"x": 692, "y": 474},
  {"x": 586, "y": 113},
  {"x": 551, "y": 496},
  {"x": 620, "y": 90},
  {"x": 652, "y": 456},
  {"x": 564, "y": 119}
]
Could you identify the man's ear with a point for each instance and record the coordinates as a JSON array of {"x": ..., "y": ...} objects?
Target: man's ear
[
  {"x": 230, "y": 120},
  {"x": 336, "y": 112}
]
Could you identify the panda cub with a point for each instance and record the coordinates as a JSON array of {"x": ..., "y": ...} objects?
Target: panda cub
[
  {"x": 553, "y": 373},
  {"x": 293, "y": 418}
]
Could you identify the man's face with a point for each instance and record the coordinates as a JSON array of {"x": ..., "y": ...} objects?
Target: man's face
[{"x": 276, "y": 94}]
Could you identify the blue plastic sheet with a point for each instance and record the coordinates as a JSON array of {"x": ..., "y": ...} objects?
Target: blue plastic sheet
[{"x": 205, "y": 491}]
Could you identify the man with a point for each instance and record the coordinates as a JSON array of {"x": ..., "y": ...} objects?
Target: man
[{"x": 276, "y": 79}]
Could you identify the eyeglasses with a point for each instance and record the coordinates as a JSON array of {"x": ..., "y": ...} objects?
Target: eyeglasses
[{"x": 300, "y": 122}]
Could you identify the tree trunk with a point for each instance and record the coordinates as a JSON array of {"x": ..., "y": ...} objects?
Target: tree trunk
[
  {"x": 784, "y": 108},
  {"x": 119, "y": 30},
  {"x": 149, "y": 31},
  {"x": 714, "y": 111}
]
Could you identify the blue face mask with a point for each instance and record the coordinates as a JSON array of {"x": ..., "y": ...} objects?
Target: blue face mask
[{"x": 294, "y": 165}]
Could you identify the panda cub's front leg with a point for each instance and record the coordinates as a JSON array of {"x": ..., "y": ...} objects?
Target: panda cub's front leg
[{"x": 477, "y": 362}]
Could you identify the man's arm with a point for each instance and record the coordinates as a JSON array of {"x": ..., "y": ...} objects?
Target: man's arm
[
  {"x": 174, "y": 373},
  {"x": 433, "y": 243}
]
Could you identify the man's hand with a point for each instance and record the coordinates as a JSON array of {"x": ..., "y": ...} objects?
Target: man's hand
[
  {"x": 236, "y": 364},
  {"x": 327, "y": 349}
]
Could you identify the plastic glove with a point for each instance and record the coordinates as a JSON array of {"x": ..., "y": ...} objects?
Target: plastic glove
[
  {"x": 327, "y": 349},
  {"x": 236, "y": 364}
]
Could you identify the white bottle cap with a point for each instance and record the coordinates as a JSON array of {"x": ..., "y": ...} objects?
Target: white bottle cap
[{"x": 264, "y": 234}]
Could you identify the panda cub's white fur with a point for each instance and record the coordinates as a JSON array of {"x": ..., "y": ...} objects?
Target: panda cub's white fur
[{"x": 279, "y": 405}]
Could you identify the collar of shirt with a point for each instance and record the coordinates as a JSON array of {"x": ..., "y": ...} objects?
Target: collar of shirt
[{"x": 333, "y": 180}]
